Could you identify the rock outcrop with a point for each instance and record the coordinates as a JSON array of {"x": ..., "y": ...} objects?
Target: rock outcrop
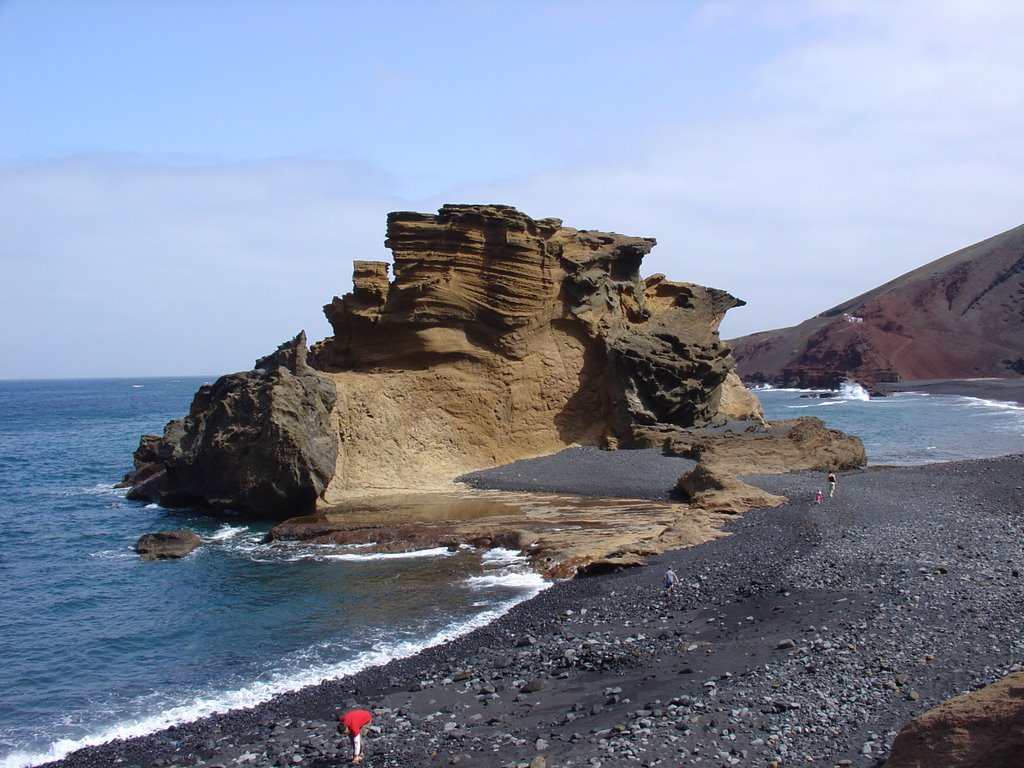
[
  {"x": 261, "y": 442},
  {"x": 500, "y": 337},
  {"x": 167, "y": 545},
  {"x": 982, "y": 729},
  {"x": 503, "y": 337},
  {"x": 795, "y": 445},
  {"x": 961, "y": 316}
]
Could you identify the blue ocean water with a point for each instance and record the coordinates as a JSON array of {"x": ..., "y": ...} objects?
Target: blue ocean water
[
  {"x": 908, "y": 428},
  {"x": 98, "y": 645}
]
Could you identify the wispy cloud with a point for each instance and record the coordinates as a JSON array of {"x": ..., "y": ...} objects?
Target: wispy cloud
[
  {"x": 125, "y": 266},
  {"x": 795, "y": 154}
]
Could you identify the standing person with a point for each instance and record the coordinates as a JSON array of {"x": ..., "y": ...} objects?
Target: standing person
[
  {"x": 351, "y": 723},
  {"x": 831, "y": 484},
  {"x": 671, "y": 581}
]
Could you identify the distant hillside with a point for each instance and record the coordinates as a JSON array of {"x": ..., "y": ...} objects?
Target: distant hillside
[{"x": 961, "y": 316}]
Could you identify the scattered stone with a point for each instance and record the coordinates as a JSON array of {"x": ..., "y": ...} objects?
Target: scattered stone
[{"x": 164, "y": 545}]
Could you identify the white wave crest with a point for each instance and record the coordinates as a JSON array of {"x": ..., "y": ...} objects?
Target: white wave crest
[
  {"x": 500, "y": 555},
  {"x": 435, "y": 552},
  {"x": 227, "y": 532},
  {"x": 851, "y": 390},
  {"x": 113, "y": 554},
  {"x": 513, "y": 579},
  {"x": 1002, "y": 405}
]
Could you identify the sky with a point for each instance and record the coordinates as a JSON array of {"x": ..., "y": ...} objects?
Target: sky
[{"x": 184, "y": 184}]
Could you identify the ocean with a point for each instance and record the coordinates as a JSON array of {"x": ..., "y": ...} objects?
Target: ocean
[{"x": 98, "y": 645}]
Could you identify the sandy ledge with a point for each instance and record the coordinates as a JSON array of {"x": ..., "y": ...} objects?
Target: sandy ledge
[{"x": 809, "y": 636}]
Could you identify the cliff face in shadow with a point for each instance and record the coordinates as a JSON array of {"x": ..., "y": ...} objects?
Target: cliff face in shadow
[
  {"x": 961, "y": 316},
  {"x": 499, "y": 337}
]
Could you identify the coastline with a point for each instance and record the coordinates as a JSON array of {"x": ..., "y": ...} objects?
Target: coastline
[
  {"x": 812, "y": 634},
  {"x": 1009, "y": 390}
]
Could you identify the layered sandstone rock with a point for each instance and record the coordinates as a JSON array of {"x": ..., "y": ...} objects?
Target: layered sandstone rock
[
  {"x": 982, "y": 729},
  {"x": 498, "y": 337},
  {"x": 501, "y": 337}
]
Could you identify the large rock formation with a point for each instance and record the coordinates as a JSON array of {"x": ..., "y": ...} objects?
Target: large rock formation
[
  {"x": 961, "y": 316},
  {"x": 982, "y": 729},
  {"x": 261, "y": 442},
  {"x": 500, "y": 337}
]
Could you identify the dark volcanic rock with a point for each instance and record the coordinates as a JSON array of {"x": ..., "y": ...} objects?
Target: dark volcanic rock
[
  {"x": 961, "y": 316},
  {"x": 259, "y": 442},
  {"x": 167, "y": 545},
  {"x": 671, "y": 368}
]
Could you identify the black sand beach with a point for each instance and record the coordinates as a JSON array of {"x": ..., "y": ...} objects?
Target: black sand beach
[{"x": 809, "y": 636}]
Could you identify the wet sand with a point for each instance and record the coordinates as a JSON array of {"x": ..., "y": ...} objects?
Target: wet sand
[{"x": 809, "y": 636}]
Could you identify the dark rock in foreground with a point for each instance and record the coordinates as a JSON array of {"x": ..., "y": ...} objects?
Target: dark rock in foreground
[
  {"x": 167, "y": 545},
  {"x": 259, "y": 442}
]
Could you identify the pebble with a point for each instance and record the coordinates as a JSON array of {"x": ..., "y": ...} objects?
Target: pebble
[{"x": 896, "y": 596}]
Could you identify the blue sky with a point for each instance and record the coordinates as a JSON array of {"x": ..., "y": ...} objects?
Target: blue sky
[{"x": 184, "y": 184}]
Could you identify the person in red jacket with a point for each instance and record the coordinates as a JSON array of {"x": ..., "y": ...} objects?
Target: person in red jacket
[{"x": 351, "y": 723}]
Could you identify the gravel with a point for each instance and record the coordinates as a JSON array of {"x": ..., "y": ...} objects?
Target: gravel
[{"x": 808, "y": 637}]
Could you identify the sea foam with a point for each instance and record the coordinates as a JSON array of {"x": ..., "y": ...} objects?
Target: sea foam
[{"x": 276, "y": 683}]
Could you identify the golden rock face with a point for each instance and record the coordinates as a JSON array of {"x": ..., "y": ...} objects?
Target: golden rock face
[
  {"x": 499, "y": 337},
  {"x": 502, "y": 337}
]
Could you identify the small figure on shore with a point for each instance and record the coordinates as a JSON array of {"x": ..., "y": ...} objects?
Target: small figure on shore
[
  {"x": 818, "y": 496},
  {"x": 351, "y": 724},
  {"x": 831, "y": 484},
  {"x": 671, "y": 581}
]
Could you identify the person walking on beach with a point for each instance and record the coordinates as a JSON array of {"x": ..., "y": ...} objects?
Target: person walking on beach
[
  {"x": 831, "y": 484},
  {"x": 351, "y": 724},
  {"x": 671, "y": 581}
]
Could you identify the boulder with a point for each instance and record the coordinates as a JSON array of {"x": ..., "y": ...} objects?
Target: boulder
[
  {"x": 165, "y": 545},
  {"x": 709, "y": 488},
  {"x": 260, "y": 442},
  {"x": 982, "y": 729},
  {"x": 757, "y": 448},
  {"x": 763, "y": 448}
]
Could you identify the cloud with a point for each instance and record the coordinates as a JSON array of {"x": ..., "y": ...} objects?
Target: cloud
[
  {"x": 117, "y": 266},
  {"x": 881, "y": 141},
  {"x": 794, "y": 154}
]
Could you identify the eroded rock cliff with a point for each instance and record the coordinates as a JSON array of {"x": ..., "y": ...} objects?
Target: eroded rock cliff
[{"x": 499, "y": 337}]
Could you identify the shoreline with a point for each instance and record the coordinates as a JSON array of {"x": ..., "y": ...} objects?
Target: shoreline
[
  {"x": 901, "y": 585},
  {"x": 1008, "y": 390}
]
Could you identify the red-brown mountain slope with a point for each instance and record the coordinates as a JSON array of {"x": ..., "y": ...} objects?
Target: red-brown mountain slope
[{"x": 961, "y": 316}]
